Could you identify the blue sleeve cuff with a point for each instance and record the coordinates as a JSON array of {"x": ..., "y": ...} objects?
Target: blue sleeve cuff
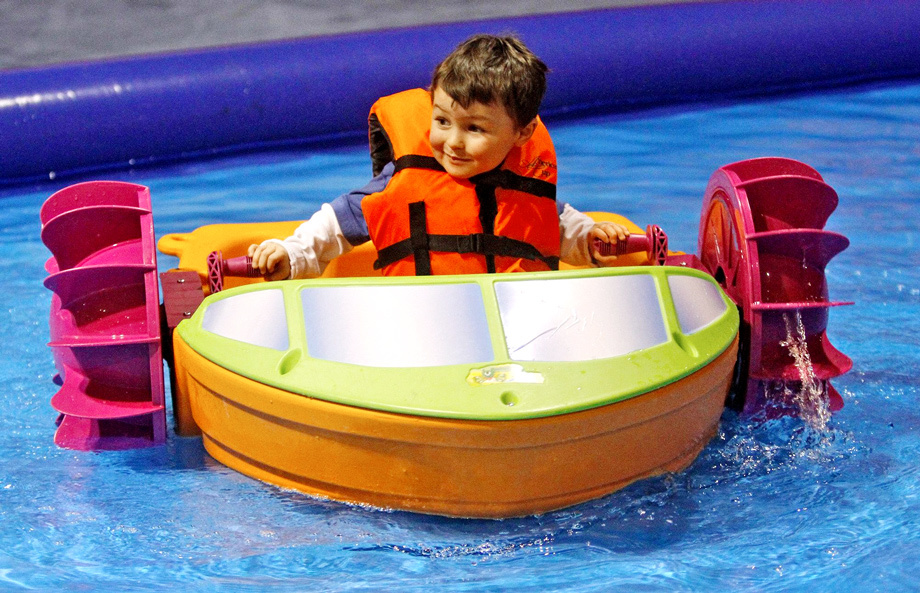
[{"x": 347, "y": 207}]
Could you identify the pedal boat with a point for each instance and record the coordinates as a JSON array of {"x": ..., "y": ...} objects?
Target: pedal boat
[{"x": 470, "y": 396}]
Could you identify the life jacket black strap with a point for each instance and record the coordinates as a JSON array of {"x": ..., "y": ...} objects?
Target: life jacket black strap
[
  {"x": 417, "y": 161},
  {"x": 502, "y": 178},
  {"x": 420, "y": 246},
  {"x": 419, "y": 239},
  {"x": 505, "y": 179},
  {"x": 488, "y": 209}
]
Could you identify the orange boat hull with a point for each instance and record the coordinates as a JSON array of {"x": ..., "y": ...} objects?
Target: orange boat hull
[{"x": 460, "y": 468}]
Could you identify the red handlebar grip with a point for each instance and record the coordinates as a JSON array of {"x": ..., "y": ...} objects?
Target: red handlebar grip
[
  {"x": 218, "y": 267},
  {"x": 654, "y": 242},
  {"x": 240, "y": 266}
]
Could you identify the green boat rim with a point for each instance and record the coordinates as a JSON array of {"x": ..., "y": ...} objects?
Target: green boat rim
[{"x": 501, "y": 388}]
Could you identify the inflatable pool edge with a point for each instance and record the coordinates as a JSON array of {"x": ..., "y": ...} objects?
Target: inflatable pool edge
[{"x": 72, "y": 119}]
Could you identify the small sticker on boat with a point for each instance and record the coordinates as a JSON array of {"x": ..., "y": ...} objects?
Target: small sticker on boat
[{"x": 502, "y": 373}]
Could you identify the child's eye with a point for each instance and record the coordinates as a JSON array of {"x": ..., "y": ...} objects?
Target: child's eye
[
  {"x": 476, "y": 129},
  {"x": 441, "y": 121}
]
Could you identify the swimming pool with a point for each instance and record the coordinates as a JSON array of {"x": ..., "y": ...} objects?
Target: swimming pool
[{"x": 767, "y": 507}]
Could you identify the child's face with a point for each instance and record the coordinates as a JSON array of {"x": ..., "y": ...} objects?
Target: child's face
[{"x": 467, "y": 142}]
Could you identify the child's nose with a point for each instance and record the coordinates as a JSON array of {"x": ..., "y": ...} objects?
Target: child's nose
[{"x": 455, "y": 140}]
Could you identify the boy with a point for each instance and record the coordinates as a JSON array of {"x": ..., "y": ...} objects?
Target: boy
[{"x": 465, "y": 180}]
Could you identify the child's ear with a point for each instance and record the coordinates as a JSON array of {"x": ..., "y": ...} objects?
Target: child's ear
[{"x": 526, "y": 132}]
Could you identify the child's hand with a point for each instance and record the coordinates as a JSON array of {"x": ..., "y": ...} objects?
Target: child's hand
[
  {"x": 608, "y": 232},
  {"x": 272, "y": 261}
]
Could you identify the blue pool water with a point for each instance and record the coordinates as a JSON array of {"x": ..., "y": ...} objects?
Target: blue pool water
[{"x": 773, "y": 506}]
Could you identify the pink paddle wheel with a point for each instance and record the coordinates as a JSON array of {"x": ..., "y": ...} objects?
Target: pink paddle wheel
[
  {"x": 104, "y": 322},
  {"x": 762, "y": 237}
]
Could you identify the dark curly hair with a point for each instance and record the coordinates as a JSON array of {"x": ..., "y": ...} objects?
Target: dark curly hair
[{"x": 491, "y": 69}]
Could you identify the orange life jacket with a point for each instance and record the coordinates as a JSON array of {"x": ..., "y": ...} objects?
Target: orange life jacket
[{"x": 427, "y": 222}]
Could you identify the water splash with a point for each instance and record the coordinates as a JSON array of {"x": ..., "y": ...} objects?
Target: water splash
[{"x": 810, "y": 393}]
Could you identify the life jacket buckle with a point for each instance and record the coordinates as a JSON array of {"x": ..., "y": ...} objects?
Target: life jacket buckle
[{"x": 477, "y": 243}]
